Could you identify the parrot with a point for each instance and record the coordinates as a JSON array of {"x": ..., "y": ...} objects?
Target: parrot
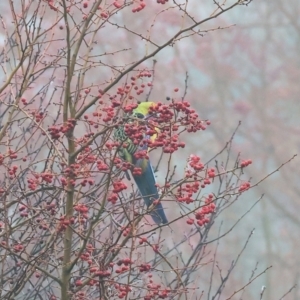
[{"x": 145, "y": 180}]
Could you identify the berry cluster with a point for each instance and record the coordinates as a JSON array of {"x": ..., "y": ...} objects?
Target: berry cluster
[
  {"x": 111, "y": 145},
  {"x": 141, "y": 6},
  {"x": 94, "y": 270},
  {"x": 142, "y": 240},
  {"x": 101, "y": 166},
  {"x": 73, "y": 171},
  {"x": 123, "y": 290},
  {"x": 51, "y": 207},
  {"x": 63, "y": 223},
  {"x": 84, "y": 182},
  {"x": 86, "y": 156},
  {"x": 24, "y": 101},
  {"x": 126, "y": 230},
  {"x": 81, "y": 295},
  {"x": 82, "y": 209},
  {"x": 186, "y": 191},
  {"x": 195, "y": 163},
  {"x": 11, "y": 154},
  {"x": 135, "y": 132},
  {"x": 155, "y": 291},
  {"x": 23, "y": 210},
  {"x": 86, "y": 256},
  {"x": 201, "y": 215},
  {"x": 46, "y": 176},
  {"x": 129, "y": 108},
  {"x": 211, "y": 173},
  {"x": 246, "y": 163},
  {"x": 117, "y": 4},
  {"x": 112, "y": 198},
  {"x": 198, "y": 177},
  {"x": 134, "y": 85},
  {"x": 126, "y": 263},
  {"x": 163, "y": 112},
  {"x": 170, "y": 144},
  {"x": 244, "y": 187},
  {"x": 145, "y": 267},
  {"x": 32, "y": 183},
  {"x": 110, "y": 113},
  {"x": 186, "y": 116},
  {"x": 162, "y": 1},
  {"x": 12, "y": 171},
  {"x": 57, "y": 130},
  {"x": 195, "y": 166},
  {"x": 42, "y": 224},
  {"x": 141, "y": 154},
  {"x": 82, "y": 213},
  {"x": 119, "y": 186},
  {"x": 104, "y": 14},
  {"x": 18, "y": 247},
  {"x": 38, "y": 116}
]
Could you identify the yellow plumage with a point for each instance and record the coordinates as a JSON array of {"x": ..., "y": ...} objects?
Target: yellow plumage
[{"x": 143, "y": 108}]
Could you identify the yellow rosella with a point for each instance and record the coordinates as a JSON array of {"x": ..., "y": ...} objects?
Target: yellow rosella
[{"x": 144, "y": 179}]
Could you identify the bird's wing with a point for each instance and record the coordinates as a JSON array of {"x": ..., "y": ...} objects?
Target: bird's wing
[{"x": 147, "y": 187}]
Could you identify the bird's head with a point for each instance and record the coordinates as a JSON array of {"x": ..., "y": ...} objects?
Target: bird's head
[{"x": 143, "y": 108}]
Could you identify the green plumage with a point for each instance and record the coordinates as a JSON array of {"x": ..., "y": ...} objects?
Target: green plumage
[{"x": 125, "y": 153}]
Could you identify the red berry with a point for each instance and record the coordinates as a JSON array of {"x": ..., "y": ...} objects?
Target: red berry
[
  {"x": 78, "y": 282},
  {"x": 117, "y": 5},
  {"x": 190, "y": 221}
]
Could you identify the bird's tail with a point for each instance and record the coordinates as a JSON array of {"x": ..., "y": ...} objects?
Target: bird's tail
[{"x": 146, "y": 185}]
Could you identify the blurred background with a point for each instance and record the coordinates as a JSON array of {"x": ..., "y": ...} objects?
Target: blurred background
[{"x": 250, "y": 72}]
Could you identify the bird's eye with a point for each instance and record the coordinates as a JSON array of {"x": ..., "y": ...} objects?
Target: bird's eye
[{"x": 139, "y": 115}]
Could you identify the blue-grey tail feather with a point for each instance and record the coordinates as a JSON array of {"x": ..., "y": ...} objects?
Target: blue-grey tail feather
[{"x": 146, "y": 185}]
